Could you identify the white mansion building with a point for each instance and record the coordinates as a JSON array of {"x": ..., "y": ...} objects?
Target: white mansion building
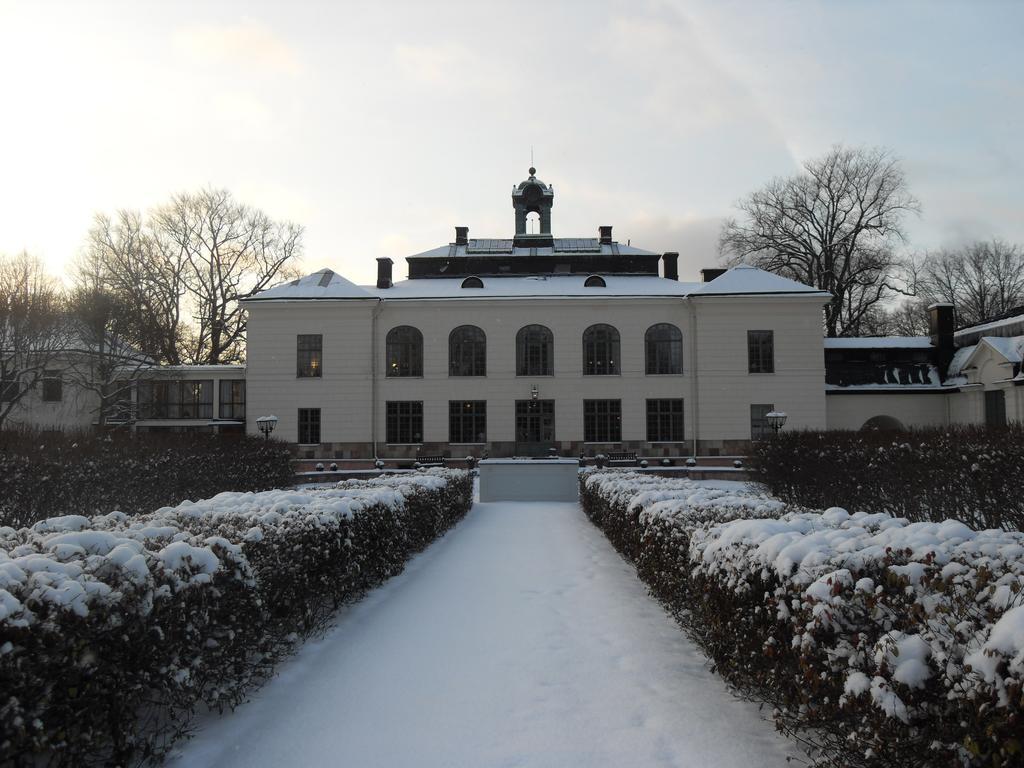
[{"x": 516, "y": 345}]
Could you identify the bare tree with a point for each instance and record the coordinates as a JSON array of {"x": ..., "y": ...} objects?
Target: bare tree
[
  {"x": 103, "y": 363},
  {"x": 145, "y": 271},
  {"x": 836, "y": 226},
  {"x": 33, "y": 331},
  {"x": 982, "y": 279},
  {"x": 230, "y": 252}
]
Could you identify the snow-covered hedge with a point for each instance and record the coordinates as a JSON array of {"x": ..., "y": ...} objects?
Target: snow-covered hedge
[
  {"x": 884, "y": 642},
  {"x": 46, "y": 474},
  {"x": 114, "y": 629},
  {"x": 970, "y": 474}
]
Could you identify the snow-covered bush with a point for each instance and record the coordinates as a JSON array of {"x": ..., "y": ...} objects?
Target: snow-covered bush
[
  {"x": 971, "y": 474},
  {"x": 884, "y": 642},
  {"x": 48, "y": 474},
  {"x": 113, "y": 629}
]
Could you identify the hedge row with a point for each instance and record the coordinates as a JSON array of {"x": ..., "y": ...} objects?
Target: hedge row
[
  {"x": 877, "y": 641},
  {"x": 45, "y": 474},
  {"x": 115, "y": 629},
  {"x": 970, "y": 474}
]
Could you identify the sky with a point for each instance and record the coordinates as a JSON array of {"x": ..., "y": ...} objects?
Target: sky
[{"x": 380, "y": 126}]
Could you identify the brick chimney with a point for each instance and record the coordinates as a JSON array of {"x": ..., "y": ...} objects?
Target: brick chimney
[
  {"x": 941, "y": 324},
  {"x": 462, "y": 235},
  {"x": 671, "y": 261},
  {"x": 606, "y": 234},
  {"x": 709, "y": 274},
  {"x": 384, "y": 272}
]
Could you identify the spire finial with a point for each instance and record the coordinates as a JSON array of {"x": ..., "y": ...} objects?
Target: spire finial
[{"x": 533, "y": 171}]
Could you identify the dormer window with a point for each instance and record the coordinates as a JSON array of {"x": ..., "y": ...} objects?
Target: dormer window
[
  {"x": 594, "y": 281},
  {"x": 472, "y": 282}
]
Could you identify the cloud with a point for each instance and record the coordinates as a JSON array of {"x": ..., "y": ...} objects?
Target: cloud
[
  {"x": 245, "y": 44},
  {"x": 694, "y": 237}
]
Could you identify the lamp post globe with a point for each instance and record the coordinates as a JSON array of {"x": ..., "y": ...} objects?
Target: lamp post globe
[
  {"x": 266, "y": 425},
  {"x": 776, "y": 419}
]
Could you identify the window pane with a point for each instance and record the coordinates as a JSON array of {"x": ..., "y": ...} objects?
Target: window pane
[
  {"x": 759, "y": 429},
  {"x": 404, "y": 352},
  {"x": 761, "y": 351},
  {"x": 600, "y": 351},
  {"x": 663, "y": 349},
  {"x": 665, "y": 420},
  {"x": 232, "y": 399},
  {"x": 534, "y": 351},
  {"x": 309, "y": 426},
  {"x": 309, "y": 355},
  {"x": 467, "y": 352},
  {"x": 404, "y": 421},
  {"x": 467, "y": 421},
  {"x": 535, "y": 421},
  {"x": 602, "y": 421}
]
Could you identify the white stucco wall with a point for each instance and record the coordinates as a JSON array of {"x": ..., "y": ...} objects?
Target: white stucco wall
[
  {"x": 851, "y": 411},
  {"x": 727, "y": 389}
]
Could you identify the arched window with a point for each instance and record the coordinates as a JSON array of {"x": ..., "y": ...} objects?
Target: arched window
[
  {"x": 467, "y": 351},
  {"x": 663, "y": 344},
  {"x": 404, "y": 352},
  {"x": 535, "y": 351},
  {"x": 600, "y": 350},
  {"x": 595, "y": 281},
  {"x": 472, "y": 282}
]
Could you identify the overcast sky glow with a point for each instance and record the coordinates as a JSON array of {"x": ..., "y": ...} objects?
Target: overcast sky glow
[{"x": 380, "y": 126}]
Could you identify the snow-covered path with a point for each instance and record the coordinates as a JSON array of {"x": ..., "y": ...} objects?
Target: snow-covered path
[{"x": 520, "y": 639}]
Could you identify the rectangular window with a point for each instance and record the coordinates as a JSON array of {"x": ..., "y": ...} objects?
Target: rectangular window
[
  {"x": 404, "y": 421},
  {"x": 995, "y": 408},
  {"x": 232, "y": 399},
  {"x": 309, "y": 355},
  {"x": 8, "y": 389},
  {"x": 176, "y": 399},
  {"x": 602, "y": 421},
  {"x": 309, "y": 426},
  {"x": 53, "y": 387},
  {"x": 196, "y": 399},
  {"x": 761, "y": 351},
  {"x": 759, "y": 428},
  {"x": 665, "y": 421},
  {"x": 467, "y": 421}
]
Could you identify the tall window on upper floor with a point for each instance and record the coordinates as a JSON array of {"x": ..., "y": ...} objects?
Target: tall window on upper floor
[
  {"x": 600, "y": 350},
  {"x": 535, "y": 351},
  {"x": 309, "y": 355},
  {"x": 467, "y": 351},
  {"x": 761, "y": 351},
  {"x": 404, "y": 351},
  {"x": 663, "y": 349}
]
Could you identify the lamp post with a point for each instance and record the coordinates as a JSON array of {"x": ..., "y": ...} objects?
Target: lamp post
[
  {"x": 266, "y": 425},
  {"x": 775, "y": 420}
]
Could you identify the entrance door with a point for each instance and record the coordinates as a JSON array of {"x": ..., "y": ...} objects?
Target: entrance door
[
  {"x": 535, "y": 427},
  {"x": 995, "y": 408}
]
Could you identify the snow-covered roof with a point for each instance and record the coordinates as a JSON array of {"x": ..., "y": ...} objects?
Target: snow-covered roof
[
  {"x": 880, "y": 342},
  {"x": 744, "y": 280},
  {"x": 554, "y": 286},
  {"x": 324, "y": 284},
  {"x": 1007, "y": 326},
  {"x": 1009, "y": 347},
  {"x": 504, "y": 247}
]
